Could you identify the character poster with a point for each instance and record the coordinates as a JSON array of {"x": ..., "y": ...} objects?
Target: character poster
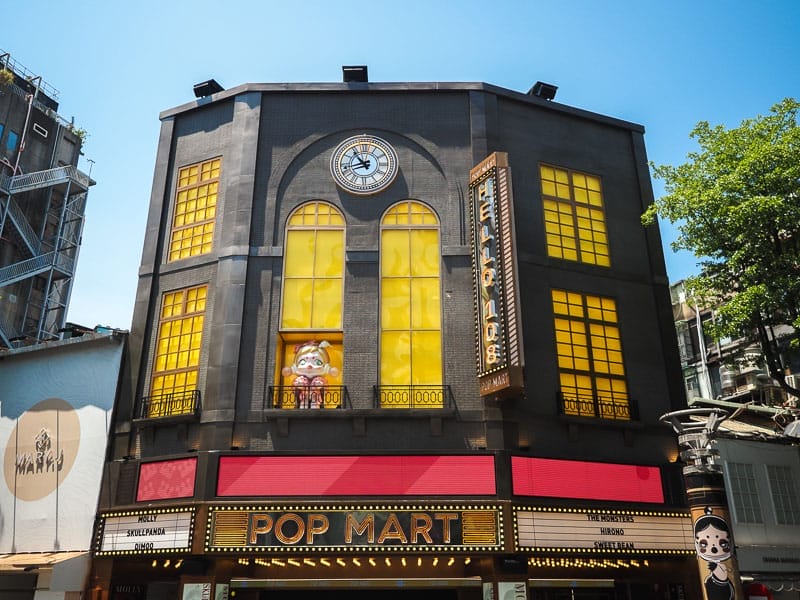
[{"x": 713, "y": 540}]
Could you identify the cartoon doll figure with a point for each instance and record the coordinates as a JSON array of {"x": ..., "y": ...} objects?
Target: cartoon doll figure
[
  {"x": 310, "y": 368},
  {"x": 713, "y": 542}
]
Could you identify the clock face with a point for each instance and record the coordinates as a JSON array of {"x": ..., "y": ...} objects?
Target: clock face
[{"x": 364, "y": 164}]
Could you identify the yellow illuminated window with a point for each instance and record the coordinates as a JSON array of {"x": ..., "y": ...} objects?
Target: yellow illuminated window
[
  {"x": 574, "y": 218},
  {"x": 411, "y": 333},
  {"x": 177, "y": 359},
  {"x": 589, "y": 353},
  {"x": 311, "y": 307},
  {"x": 313, "y": 270},
  {"x": 195, "y": 210}
]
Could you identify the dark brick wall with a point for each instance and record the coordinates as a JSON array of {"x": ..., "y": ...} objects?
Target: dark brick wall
[{"x": 276, "y": 148}]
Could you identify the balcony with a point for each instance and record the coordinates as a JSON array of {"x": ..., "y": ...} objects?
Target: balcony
[
  {"x": 595, "y": 407},
  {"x": 175, "y": 404},
  {"x": 302, "y": 398},
  {"x": 413, "y": 396},
  {"x": 294, "y": 397}
]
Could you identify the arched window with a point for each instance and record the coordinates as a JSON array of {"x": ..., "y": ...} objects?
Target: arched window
[
  {"x": 410, "y": 316},
  {"x": 311, "y": 303}
]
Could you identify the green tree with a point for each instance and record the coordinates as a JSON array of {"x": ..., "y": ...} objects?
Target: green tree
[{"x": 736, "y": 206}]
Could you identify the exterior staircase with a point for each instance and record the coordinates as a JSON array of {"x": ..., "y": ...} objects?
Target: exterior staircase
[{"x": 47, "y": 259}]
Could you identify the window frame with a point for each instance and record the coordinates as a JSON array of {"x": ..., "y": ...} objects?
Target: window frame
[
  {"x": 604, "y": 401},
  {"x": 10, "y": 150},
  {"x": 288, "y": 337},
  {"x": 415, "y": 390},
  {"x": 787, "y": 511},
  {"x": 193, "y": 366},
  {"x": 746, "y": 503},
  {"x": 574, "y": 205},
  {"x": 175, "y": 250},
  {"x": 315, "y": 227}
]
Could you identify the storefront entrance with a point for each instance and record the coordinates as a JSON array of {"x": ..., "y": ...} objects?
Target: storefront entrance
[
  {"x": 351, "y": 594},
  {"x": 570, "y": 594}
]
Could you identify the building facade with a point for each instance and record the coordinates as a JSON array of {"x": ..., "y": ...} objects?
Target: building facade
[
  {"x": 727, "y": 369},
  {"x": 761, "y": 480},
  {"x": 42, "y": 203},
  {"x": 56, "y": 402},
  {"x": 399, "y": 337}
]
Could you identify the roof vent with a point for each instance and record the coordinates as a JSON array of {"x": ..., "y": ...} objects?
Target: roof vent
[
  {"x": 355, "y": 74},
  {"x": 206, "y": 88},
  {"x": 543, "y": 90}
]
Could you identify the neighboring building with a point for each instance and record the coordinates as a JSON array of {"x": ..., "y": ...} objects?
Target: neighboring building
[
  {"x": 42, "y": 204},
  {"x": 762, "y": 484},
  {"x": 55, "y": 406},
  {"x": 329, "y": 388},
  {"x": 759, "y": 451},
  {"x": 731, "y": 370}
]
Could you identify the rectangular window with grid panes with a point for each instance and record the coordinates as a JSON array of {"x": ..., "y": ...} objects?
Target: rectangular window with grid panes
[
  {"x": 589, "y": 353},
  {"x": 574, "y": 216},
  {"x": 783, "y": 488},
  {"x": 746, "y": 505},
  {"x": 195, "y": 210},
  {"x": 177, "y": 361}
]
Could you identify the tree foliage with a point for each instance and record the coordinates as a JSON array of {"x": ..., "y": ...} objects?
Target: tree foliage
[{"x": 736, "y": 205}]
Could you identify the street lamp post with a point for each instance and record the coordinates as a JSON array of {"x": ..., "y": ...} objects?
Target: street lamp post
[{"x": 708, "y": 504}]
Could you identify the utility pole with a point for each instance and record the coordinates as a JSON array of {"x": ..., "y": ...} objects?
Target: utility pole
[{"x": 708, "y": 503}]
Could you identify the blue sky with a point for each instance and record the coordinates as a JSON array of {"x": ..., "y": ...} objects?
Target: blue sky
[{"x": 117, "y": 65}]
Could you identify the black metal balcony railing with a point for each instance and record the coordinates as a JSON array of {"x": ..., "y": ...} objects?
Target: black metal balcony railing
[
  {"x": 413, "y": 396},
  {"x": 302, "y": 397},
  {"x": 594, "y": 406},
  {"x": 174, "y": 404}
]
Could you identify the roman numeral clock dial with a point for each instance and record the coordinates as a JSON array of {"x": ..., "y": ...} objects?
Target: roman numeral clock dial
[{"x": 364, "y": 164}]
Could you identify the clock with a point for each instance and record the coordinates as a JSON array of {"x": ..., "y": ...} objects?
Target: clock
[{"x": 364, "y": 164}]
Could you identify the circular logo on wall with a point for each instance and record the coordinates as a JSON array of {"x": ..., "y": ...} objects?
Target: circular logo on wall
[{"x": 42, "y": 449}]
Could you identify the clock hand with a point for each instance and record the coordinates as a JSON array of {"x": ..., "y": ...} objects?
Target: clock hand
[{"x": 364, "y": 164}]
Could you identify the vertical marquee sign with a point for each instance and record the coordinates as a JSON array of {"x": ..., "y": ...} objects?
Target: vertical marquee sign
[{"x": 498, "y": 328}]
